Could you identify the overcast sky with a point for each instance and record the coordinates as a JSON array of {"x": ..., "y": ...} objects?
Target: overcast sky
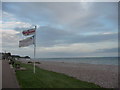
[{"x": 64, "y": 29}]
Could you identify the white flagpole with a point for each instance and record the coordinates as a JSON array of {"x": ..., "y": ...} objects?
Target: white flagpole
[{"x": 34, "y": 49}]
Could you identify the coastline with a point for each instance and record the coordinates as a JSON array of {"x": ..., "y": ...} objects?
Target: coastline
[{"x": 104, "y": 75}]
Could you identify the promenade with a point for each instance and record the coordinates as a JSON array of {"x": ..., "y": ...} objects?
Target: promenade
[
  {"x": 0, "y": 74},
  {"x": 8, "y": 76}
]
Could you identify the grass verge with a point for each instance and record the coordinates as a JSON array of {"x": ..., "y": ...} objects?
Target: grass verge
[{"x": 47, "y": 79}]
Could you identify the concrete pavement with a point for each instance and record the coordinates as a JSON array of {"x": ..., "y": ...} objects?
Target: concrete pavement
[{"x": 8, "y": 76}]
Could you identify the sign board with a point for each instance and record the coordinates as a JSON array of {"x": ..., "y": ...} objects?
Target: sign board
[{"x": 26, "y": 42}]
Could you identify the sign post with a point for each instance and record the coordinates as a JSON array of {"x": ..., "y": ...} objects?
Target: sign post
[{"x": 34, "y": 49}]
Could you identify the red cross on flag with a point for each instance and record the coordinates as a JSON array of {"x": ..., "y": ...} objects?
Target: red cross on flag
[{"x": 28, "y": 32}]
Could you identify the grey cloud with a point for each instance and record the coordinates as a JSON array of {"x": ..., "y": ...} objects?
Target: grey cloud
[
  {"x": 95, "y": 38},
  {"x": 73, "y": 15},
  {"x": 110, "y": 50},
  {"x": 48, "y": 36}
]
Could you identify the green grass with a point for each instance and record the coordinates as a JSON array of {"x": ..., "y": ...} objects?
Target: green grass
[{"x": 47, "y": 79}]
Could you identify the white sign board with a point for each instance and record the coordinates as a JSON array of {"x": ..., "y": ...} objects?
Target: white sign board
[{"x": 26, "y": 42}]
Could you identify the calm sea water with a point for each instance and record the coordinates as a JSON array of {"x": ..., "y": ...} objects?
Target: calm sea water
[{"x": 89, "y": 60}]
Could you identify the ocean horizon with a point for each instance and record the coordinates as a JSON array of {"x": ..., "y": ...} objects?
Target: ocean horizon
[{"x": 87, "y": 60}]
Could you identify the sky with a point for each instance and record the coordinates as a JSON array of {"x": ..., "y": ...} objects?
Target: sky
[{"x": 64, "y": 29}]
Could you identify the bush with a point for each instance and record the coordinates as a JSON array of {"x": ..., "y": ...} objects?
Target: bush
[
  {"x": 17, "y": 66},
  {"x": 37, "y": 62},
  {"x": 29, "y": 62}
]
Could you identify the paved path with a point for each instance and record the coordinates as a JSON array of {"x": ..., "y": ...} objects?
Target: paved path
[
  {"x": 8, "y": 76},
  {"x": 0, "y": 74}
]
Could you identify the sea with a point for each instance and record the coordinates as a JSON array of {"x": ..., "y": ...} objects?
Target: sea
[{"x": 87, "y": 60}]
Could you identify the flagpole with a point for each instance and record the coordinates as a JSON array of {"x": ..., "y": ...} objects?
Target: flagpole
[{"x": 34, "y": 49}]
